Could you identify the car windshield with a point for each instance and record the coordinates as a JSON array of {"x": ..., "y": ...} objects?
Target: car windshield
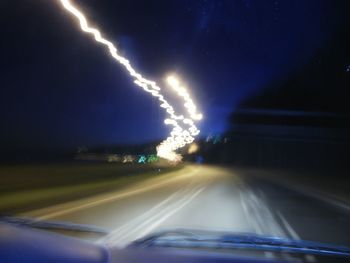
[{"x": 123, "y": 119}]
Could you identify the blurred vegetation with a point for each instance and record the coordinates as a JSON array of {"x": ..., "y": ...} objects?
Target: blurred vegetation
[{"x": 29, "y": 187}]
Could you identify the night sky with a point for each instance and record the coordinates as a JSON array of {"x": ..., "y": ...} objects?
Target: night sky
[{"x": 59, "y": 89}]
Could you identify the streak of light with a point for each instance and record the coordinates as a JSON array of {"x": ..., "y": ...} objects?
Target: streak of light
[
  {"x": 179, "y": 136},
  {"x": 182, "y": 91}
]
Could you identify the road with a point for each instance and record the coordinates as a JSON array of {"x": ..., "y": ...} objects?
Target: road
[{"x": 205, "y": 197}]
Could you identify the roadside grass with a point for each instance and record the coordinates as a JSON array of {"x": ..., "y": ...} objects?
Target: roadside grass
[{"x": 33, "y": 186}]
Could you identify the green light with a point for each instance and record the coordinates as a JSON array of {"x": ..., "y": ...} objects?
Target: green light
[{"x": 152, "y": 158}]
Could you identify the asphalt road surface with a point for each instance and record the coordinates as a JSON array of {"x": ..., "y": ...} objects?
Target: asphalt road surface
[{"x": 206, "y": 197}]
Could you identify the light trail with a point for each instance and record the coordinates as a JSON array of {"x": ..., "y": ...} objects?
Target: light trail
[
  {"x": 179, "y": 136},
  {"x": 189, "y": 105}
]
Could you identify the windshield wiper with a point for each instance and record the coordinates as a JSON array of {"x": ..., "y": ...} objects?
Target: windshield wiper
[
  {"x": 57, "y": 225},
  {"x": 203, "y": 239}
]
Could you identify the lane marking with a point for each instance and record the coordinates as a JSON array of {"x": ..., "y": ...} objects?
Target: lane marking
[
  {"x": 172, "y": 212},
  {"x": 147, "y": 226},
  {"x": 264, "y": 221},
  {"x": 114, "y": 197},
  {"x": 140, "y": 218},
  {"x": 294, "y": 235},
  {"x": 141, "y": 226},
  {"x": 253, "y": 224},
  {"x": 289, "y": 228}
]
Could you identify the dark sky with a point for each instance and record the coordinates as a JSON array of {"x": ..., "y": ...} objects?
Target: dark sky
[{"x": 59, "y": 89}]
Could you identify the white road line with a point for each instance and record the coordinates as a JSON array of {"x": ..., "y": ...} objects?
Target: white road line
[
  {"x": 289, "y": 228},
  {"x": 137, "y": 221},
  {"x": 294, "y": 235},
  {"x": 252, "y": 223},
  {"x": 154, "y": 220},
  {"x": 172, "y": 212},
  {"x": 114, "y": 197},
  {"x": 137, "y": 229},
  {"x": 263, "y": 219},
  {"x": 271, "y": 226}
]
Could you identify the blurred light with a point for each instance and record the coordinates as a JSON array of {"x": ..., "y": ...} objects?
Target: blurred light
[
  {"x": 128, "y": 159},
  {"x": 217, "y": 139},
  {"x": 209, "y": 138},
  {"x": 142, "y": 159},
  {"x": 152, "y": 158},
  {"x": 172, "y": 81},
  {"x": 179, "y": 136},
  {"x": 113, "y": 158},
  {"x": 193, "y": 148},
  {"x": 182, "y": 92}
]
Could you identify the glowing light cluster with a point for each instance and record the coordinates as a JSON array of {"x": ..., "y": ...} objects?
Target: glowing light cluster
[
  {"x": 193, "y": 148},
  {"x": 179, "y": 135}
]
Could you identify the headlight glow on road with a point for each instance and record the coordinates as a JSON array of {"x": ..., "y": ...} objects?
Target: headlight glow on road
[{"x": 184, "y": 128}]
